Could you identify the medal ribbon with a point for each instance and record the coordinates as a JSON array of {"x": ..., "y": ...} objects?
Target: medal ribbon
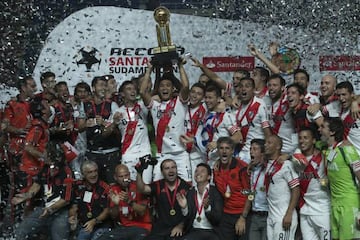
[
  {"x": 172, "y": 198},
  {"x": 131, "y": 126},
  {"x": 200, "y": 208},
  {"x": 278, "y": 116},
  {"x": 274, "y": 168},
  {"x": 163, "y": 123},
  {"x": 257, "y": 179},
  {"x": 194, "y": 124},
  {"x": 88, "y": 205}
]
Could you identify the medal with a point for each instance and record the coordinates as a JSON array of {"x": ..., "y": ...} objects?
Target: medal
[
  {"x": 198, "y": 219},
  {"x": 89, "y": 215},
  {"x": 262, "y": 189},
  {"x": 172, "y": 198},
  {"x": 228, "y": 191},
  {"x": 251, "y": 197},
  {"x": 172, "y": 212},
  {"x": 227, "y": 194},
  {"x": 323, "y": 182}
]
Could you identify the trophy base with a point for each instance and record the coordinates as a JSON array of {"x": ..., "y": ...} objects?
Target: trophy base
[{"x": 165, "y": 56}]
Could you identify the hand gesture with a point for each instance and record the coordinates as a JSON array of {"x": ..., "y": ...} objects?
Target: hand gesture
[
  {"x": 115, "y": 198},
  {"x": 177, "y": 231},
  {"x": 89, "y": 225},
  {"x": 252, "y": 49},
  {"x": 19, "y": 198},
  {"x": 181, "y": 199},
  {"x": 196, "y": 62},
  {"x": 240, "y": 226}
]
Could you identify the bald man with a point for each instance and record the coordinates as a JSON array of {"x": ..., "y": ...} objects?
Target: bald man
[
  {"x": 329, "y": 104},
  {"x": 128, "y": 208},
  {"x": 282, "y": 187}
]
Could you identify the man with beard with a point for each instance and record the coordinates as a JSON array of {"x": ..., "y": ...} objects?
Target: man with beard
[
  {"x": 169, "y": 222},
  {"x": 343, "y": 168},
  {"x": 345, "y": 91},
  {"x": 202, "y": 207},
  {"x": 251, "y": 117},
  {"x": 89, "y": 204},
  {"x": 128, "y": 207},
  {"x": 282, "y": 187},
  {"x": 168, "y": 118},
  {"x": 103, "y": 140},
  {"x": 55, "y": 183},
  {"x": 298, "y": 108},
  {"x": 281, "y": 121},
  {"x": 314, "y": 193},
  {"x": 232, "y": 181}
]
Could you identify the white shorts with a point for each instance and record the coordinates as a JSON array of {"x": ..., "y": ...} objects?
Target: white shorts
[
  {"x": 182, "y": 162},
  {"x": 275, "y": 230},
  {"x": 315, "y": 227},
  {"x": 130, "y": 160}
]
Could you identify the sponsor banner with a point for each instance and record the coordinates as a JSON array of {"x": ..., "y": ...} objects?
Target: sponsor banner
[
  {"x": 229, "y": 64},
  {"x": 339, "y": 63}
]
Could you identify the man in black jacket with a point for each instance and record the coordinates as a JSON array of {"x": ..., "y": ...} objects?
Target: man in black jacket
[{"x": 202, "y": 207}]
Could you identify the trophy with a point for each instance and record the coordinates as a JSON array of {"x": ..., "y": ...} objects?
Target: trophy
[{"x": 165, "y": 55}]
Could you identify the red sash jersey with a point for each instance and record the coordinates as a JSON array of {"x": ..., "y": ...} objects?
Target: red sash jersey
[
  {"x": 301, "y": 120},
  {"x": 99, "y": 200},
  {"x": 132, "y": 219},
  {"x": 38, "y": 136},
  {"x": 237, "y": 178},
  {"x": 18, "y": 114}
]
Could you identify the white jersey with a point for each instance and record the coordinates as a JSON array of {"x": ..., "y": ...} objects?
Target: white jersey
[
  {"x": 253, "y": 116},
  {"x": 331, "y": 109},
  {"x": 138, "y": 137},
  {"x": 216, "y": 125},
  {"x": 171, "y": 139},
  {"x": 352, "y": 129},
  {"x": 279, "y": 190},
  {"x": 317, "y": 198},
  {"x": 282, "y": 123},
  {"x": 311, "y": 98}
]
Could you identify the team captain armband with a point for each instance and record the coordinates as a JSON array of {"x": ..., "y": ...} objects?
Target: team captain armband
[
  {"x": 293, "y": 183},
  {"x": 233, "y": 129},
  {"x": 356, "y": 166}
]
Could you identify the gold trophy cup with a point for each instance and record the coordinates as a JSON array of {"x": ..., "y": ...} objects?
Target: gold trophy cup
[{"x": 165, "y": 55}]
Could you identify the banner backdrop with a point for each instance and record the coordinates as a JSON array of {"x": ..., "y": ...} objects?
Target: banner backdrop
[{"x": 110, "y": 40}]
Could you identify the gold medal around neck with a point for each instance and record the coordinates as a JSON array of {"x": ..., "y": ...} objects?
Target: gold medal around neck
[
  {"x": 89, "y": 215},
  {"x": 324, "y": 182},
  {"x": 251, "y": 197},
  {"x": 172, "y": 212},
  {"x": 262, "y": 189},
  {"x": 227, "y": 194},
  {"x": 198, "y": 219}
]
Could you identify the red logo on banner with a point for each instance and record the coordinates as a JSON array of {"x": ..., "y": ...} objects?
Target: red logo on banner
[
  {"x": 339, "y": 63},
  {"x": 229, "y": 64}
]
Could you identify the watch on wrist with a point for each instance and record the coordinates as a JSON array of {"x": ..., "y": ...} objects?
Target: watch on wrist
[{"x": 97, "y": 221}]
